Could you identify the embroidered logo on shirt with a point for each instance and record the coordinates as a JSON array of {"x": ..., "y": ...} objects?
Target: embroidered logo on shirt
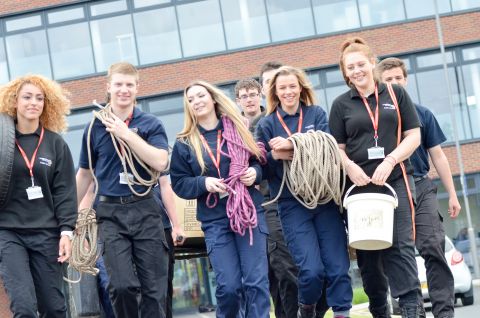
[
  {"x": 309, "y": 127},
  {"x": 45, "y": 161},
  {"x": 388, "y": 106}
]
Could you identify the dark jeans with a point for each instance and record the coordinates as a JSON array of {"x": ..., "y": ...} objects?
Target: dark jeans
[
  {"x": 135, "y": 255},
  {"x": 430, "y": 242},
  {"x": 396, "y": 262},
  {"x": 171, "y": 264},
  {"x": 31, "y": 274},
  {"x": 282, "y": 271}
]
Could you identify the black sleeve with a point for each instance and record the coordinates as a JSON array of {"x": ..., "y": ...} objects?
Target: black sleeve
[
  {"x": 64, "y": 190},
  {"x": 407, "y": 109},
  {"x": 337, "y": 123}
]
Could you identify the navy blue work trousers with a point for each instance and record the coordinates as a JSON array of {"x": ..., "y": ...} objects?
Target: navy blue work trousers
[
  {"x": 241, "y": 269},
  {"x": 318, "y": 244},
  {"x": 430, "y": 242}
]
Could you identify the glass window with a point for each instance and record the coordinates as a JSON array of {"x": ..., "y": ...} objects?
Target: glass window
[
  {"x": 334, "y": 76},
  {"x": 472, "y": 53},
  {"x": 157, "y": 35},
  {"x": 471, "y": 78},
  {"x": 335, "y": 15},
  {"x": 417, "y": 9},
  {"x": 108, "y": 7},
  {"x": 380, "y": 11},
  {"x": 335, "y": 91},
  {"x": 74, "y": 141},
  {"x": 170, "y": 111},
  {"x": 66, "y": 48},
  {"x": 66, "y": 15},
  {"x": 201, "y": 27},
  {"x": 113, "y": 41},
  {"x": 29, "y": 52},
  {"x": 412, "y": 87},
  {"x": 245, "y": 23},
  {"x": 434, "y": 59},
  {"x": 172, "y": 102},
  {"x": 81, "y": 118},
  {"x": 148, "y": 3},
  {"x": 432, "y": 90},
  {"x": 3, "y": 64},
  {"x": 23, "y": 23},
  {"x": 290, "y": 19},
  {"x": 465, "y": 4}
]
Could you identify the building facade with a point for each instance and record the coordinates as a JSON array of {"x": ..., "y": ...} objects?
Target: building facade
[{"x": 173, "y": 42}]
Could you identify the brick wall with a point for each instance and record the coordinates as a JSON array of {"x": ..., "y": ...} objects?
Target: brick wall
[
  {"x": 12, "y": 6},
  {"x": 311, "y": 53},
  {"x": 470, "y": 152}
]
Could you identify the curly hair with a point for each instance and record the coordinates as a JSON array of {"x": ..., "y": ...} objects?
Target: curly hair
[{"x": 56, "y": 104}]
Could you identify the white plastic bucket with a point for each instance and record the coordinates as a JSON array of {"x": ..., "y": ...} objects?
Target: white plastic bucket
[{"x": 370, "y": 219}]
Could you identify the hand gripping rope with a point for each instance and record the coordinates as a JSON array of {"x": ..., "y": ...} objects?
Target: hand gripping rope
[
  {"x": 84, "y": 243},
  {"x": 316, "y": 174},
  {"x": 240, "y": 207}
]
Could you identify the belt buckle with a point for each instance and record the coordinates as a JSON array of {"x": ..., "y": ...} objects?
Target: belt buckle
[{"x": 125, "y": 200}]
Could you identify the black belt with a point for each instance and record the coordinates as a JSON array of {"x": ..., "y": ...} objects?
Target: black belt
[
  {"x": 123, "y": 200},
  {"x": 417, "y": 179}
]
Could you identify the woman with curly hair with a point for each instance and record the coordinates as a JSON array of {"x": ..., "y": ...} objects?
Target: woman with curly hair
[
  {"x": 215, "y": 160},
  {"x": 36, "y": 223}
]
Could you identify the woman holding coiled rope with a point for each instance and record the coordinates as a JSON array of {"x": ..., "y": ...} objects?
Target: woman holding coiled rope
[
  {"x": 316, "y": 237},
  {"x": 216, "y": 161}
]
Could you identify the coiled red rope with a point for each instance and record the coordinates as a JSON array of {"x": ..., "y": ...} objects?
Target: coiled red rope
[{"x": 240, "y": 207}]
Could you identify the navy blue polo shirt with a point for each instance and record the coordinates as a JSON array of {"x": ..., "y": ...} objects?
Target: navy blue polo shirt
[
  {"x": 189, "y": 183},
  {"x": 105, "y": 161},
  {"x": 314, "y": 118},
  {"x": 432, "y": 135}
]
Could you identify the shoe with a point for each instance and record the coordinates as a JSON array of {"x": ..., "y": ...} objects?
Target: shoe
[
  {"x": 413, "y": 312},
  {"x": 306, "y": 311}
]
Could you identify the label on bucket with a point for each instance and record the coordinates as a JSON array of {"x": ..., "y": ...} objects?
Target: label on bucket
[{"x": 371, "y": 221}]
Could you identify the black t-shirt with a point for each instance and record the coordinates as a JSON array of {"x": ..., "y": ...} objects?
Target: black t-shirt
[{"x": 351, "y": 125}]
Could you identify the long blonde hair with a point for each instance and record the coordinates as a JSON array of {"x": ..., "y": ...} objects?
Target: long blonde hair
[
  {"x": 307, "y": 95},
  {"x": 56, "y": 104},
  {"x": 223, "y": 107}
]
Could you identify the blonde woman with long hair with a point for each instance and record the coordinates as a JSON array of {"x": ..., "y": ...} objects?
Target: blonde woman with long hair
[
  {"x": 36, "y": 223},
  {"x": 216, "y": 161},
  {"x": 316, "y": 238}
]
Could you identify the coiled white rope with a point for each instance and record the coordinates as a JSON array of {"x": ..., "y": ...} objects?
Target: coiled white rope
[{"x": 316, "y": 174}]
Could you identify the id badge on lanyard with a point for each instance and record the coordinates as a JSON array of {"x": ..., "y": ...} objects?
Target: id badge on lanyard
[
  {"x": 374, "y": 152},
  {"x": 33, "y": 192},
  {"x": 216, "y": 161}
]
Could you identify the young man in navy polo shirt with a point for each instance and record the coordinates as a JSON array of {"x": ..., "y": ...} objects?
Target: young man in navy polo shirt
[
  {"x": 430, "y": 234},
  {"x": 135, "y": 250}
]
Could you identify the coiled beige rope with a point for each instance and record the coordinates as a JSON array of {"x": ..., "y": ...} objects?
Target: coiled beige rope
[
  {"x": 127, "y": 156},
  {"x": 84, "y": 243},
  {"x": 316, "y": 174}
]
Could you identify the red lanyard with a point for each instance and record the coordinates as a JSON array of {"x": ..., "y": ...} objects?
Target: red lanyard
[
  {"x": 300, "y": 122},
  {"x": 30, "y": 163},
  {"x": 374, "y": 120},
  {"x": 209, "y": 150},
  {"x": 129, "y": 119}
]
